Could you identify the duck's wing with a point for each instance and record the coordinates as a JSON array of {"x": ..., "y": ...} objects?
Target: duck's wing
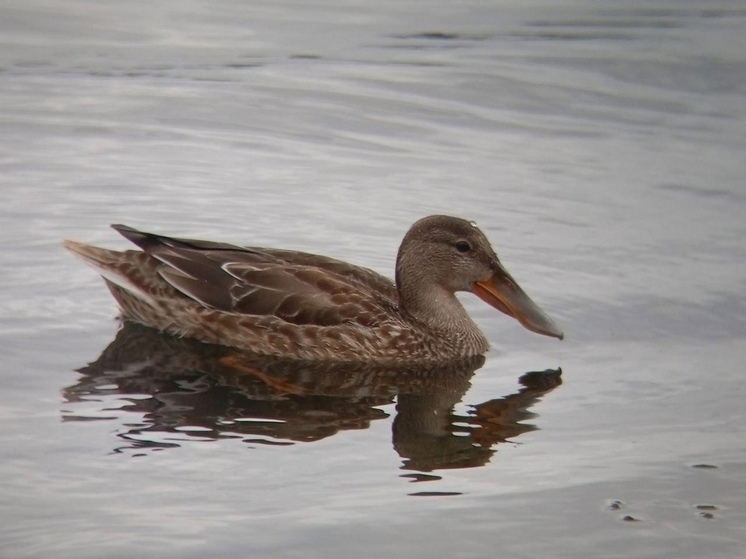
[
  {"x": 151, "y": 242},
  {"x": 299, "y": 288},
  {"x": 365, "y": 276}
]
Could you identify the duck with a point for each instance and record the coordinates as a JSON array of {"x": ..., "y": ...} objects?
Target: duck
[{"x": 297, "y": 305}]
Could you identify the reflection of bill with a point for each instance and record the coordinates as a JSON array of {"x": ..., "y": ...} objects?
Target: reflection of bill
[{"x": 186, "y": 390}]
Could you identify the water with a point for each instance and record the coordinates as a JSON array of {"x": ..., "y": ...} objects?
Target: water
[{"x": 600, "y": 146}]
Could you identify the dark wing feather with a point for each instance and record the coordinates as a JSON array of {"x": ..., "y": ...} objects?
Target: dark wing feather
[
  {"x": 223, "y": 252},
  {"x": 303, "y": 295},
  {"x": 297, "y": 287},
  {"x": 149, "y": 241}
]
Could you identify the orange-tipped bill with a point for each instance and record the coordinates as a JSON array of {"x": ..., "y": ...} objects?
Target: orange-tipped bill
[{"x": 502, "y": 292}]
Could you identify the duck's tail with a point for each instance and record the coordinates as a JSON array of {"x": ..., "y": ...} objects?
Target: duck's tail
[
  {"x": 122, "y": 270},
  {"x": 93, "y": 256}
]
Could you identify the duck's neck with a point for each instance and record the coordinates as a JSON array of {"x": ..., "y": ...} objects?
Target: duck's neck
[{"x": 442, "y": 312}]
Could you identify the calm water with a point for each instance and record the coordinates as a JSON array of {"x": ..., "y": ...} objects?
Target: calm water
[{"x": 599, "y": 144}]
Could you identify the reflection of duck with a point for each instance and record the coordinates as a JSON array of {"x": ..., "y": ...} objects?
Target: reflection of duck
[
  {"x": 298, "y": 305},
  {"x": 188, "y": 390},
  {"x": 430, "y": 437}
]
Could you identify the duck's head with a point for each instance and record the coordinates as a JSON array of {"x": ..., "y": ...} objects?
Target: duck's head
[{"x": 449, "y": 254}]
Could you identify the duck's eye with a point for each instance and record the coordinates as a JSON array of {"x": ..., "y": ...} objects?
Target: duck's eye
[{"x": 463, "y": 246}]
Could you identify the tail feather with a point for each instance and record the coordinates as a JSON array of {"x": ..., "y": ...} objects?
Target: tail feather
[
  {"x": 93, "y": 256},
  {"x": 112, "y": 266}
]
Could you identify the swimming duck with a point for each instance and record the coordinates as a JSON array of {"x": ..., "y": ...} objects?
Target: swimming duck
[{"x": 298, "y": 305}]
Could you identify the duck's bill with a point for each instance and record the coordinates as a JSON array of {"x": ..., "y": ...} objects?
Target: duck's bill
[{"x": 503, "y": 293}]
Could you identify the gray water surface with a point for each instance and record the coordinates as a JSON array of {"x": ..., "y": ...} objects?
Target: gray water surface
[{"x": 600, "y": 145}]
